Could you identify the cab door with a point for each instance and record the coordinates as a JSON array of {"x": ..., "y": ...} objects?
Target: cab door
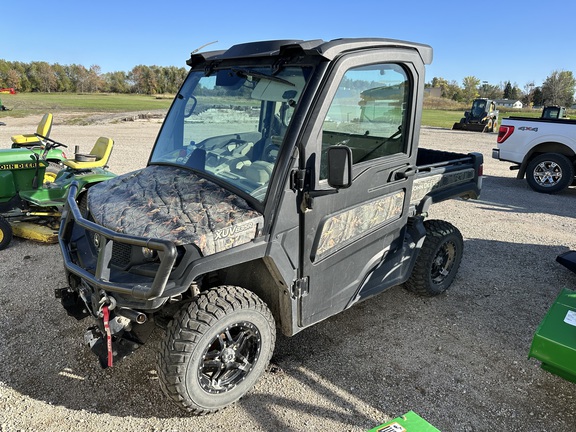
[{"x": 370, "y": 106}]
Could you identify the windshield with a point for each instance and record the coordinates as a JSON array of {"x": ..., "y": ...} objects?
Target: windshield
[{"x": 231, "y": 124}]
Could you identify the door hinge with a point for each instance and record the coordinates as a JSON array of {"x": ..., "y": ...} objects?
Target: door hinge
[
  {"x": 297, "y": 179},
  {"x": 300, "y": 288}
]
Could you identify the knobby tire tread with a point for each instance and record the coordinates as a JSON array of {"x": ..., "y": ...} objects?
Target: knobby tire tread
[
  {"x": 436, "y": 232},
  {"x": 177, "y": 345}
]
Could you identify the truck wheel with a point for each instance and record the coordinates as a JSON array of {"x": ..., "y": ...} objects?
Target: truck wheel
[
  {"x": 215, "y": 349},
  {"x": 550, "y": 173},
  {"x": 439, "y": 259},
  {"x": 5, "y": 233}
]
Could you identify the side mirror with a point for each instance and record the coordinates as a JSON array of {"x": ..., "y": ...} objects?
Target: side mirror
[{"x": 340, "y": 167}]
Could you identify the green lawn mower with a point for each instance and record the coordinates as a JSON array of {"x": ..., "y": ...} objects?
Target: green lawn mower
[
  {"x": 554, "y": 342},
  {"x": 54, "y": 156},
  {"x": 31, "y": 208}
]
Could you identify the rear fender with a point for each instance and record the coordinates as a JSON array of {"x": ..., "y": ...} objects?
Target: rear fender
[{"x": 547, "y": 147}]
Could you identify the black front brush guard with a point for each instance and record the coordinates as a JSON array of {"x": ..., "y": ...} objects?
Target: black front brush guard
[{"x": 166, "y": 250}]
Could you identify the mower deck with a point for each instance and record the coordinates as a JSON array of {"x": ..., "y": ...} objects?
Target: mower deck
[{"x": 36, "y": 232}]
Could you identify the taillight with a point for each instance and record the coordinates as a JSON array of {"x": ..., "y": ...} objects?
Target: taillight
[{"x": 504, "y": 132}]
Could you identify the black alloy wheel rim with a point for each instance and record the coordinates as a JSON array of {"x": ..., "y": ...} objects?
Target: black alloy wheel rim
[
  {"x": 443, "y": 262},
  {"x": 229, "y": 358}
]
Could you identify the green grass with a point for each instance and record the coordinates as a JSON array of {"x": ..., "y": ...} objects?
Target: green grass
[
  {"x": 445, "y": 118},
  {"x": 440, "y": 118},
  {"x": 23, "y": 104}
]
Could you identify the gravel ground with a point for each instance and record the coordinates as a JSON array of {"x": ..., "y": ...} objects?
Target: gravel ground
[{"x": 459, "y": 360}]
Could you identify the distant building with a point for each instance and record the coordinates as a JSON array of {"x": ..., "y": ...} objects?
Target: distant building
[{"x": 509, "y": 103}]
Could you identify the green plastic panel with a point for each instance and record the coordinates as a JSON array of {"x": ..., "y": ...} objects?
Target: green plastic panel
[
  {"x": 554, "y": 343},
  {"x": 7, "y": 188},
  {"x": 409, "y": 422}
]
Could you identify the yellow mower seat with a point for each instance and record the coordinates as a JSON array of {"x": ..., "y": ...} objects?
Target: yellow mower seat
[
  {"x": 44, "y": 128},
  {"x": 97, "y": 158}
]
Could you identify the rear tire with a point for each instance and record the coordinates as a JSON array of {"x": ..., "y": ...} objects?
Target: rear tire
[
  {"x": 5, "y": 233},
  {"x": 215, "y": 349},
  {"x": 438, "y": 261},
  {"x": 550, "y": 173}
]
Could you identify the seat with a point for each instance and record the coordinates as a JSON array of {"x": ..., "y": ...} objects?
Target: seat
[
  {"x": 97, "y": 158},
  {"x": 44, "y": 128},
  {"x": 259, "y": 172}
]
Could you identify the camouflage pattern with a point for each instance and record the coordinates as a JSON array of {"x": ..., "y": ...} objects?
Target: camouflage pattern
[
  {"x": 356, "y": 222},
  {"x": 175, "y": 204},
  {"x": 423, "y": 186}
]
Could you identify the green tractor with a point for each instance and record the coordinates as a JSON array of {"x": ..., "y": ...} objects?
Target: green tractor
[
  {"x": 36, "y": 142},
  {"x": 30, "y": 208},
  {"x": 482, "y": 117}
]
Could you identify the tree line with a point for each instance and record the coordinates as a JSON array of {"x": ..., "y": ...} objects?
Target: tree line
[
  {"x": 557, "y": 89},
  {"x": 46, "y": 77}
]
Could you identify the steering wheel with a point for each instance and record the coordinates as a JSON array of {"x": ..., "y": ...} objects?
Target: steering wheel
[
  {"x": 50, "y": 140},
  {"x": 236, "y": 143},
  {"x": 271, "y": 153}
]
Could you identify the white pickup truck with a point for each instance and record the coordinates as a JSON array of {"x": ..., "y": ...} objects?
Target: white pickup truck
[{"x": 542, "y": 149}]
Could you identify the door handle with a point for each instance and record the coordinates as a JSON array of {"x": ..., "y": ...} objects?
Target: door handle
[{"x": 408, "y": 172}]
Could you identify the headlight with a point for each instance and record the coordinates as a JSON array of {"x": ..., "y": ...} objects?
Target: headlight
[{"x": 148, "y": 253}]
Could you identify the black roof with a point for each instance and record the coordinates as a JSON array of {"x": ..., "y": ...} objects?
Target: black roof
[{"x": 329, "y": 50}]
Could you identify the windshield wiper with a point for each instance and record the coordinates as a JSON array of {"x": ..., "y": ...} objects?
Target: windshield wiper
[{"x": 245, "y": 73}]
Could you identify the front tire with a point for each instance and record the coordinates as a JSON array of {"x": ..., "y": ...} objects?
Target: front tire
[
  {"x": 550, "y": 173},
  {"x": 438, "y": 260},
  {"x": 5, "y": 233},
  {"x": 215, "y": 349}
]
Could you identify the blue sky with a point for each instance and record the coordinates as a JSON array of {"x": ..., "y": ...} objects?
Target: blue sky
[{"x": 517, "y": 41}]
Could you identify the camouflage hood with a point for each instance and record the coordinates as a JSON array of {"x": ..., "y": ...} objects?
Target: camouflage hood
[{"x": 174, "y": 204}]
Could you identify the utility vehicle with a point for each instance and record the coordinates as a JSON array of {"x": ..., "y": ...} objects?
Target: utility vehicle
[
  {"x": 30, "y": 208},
  {"x": 285, "y": 186}
]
